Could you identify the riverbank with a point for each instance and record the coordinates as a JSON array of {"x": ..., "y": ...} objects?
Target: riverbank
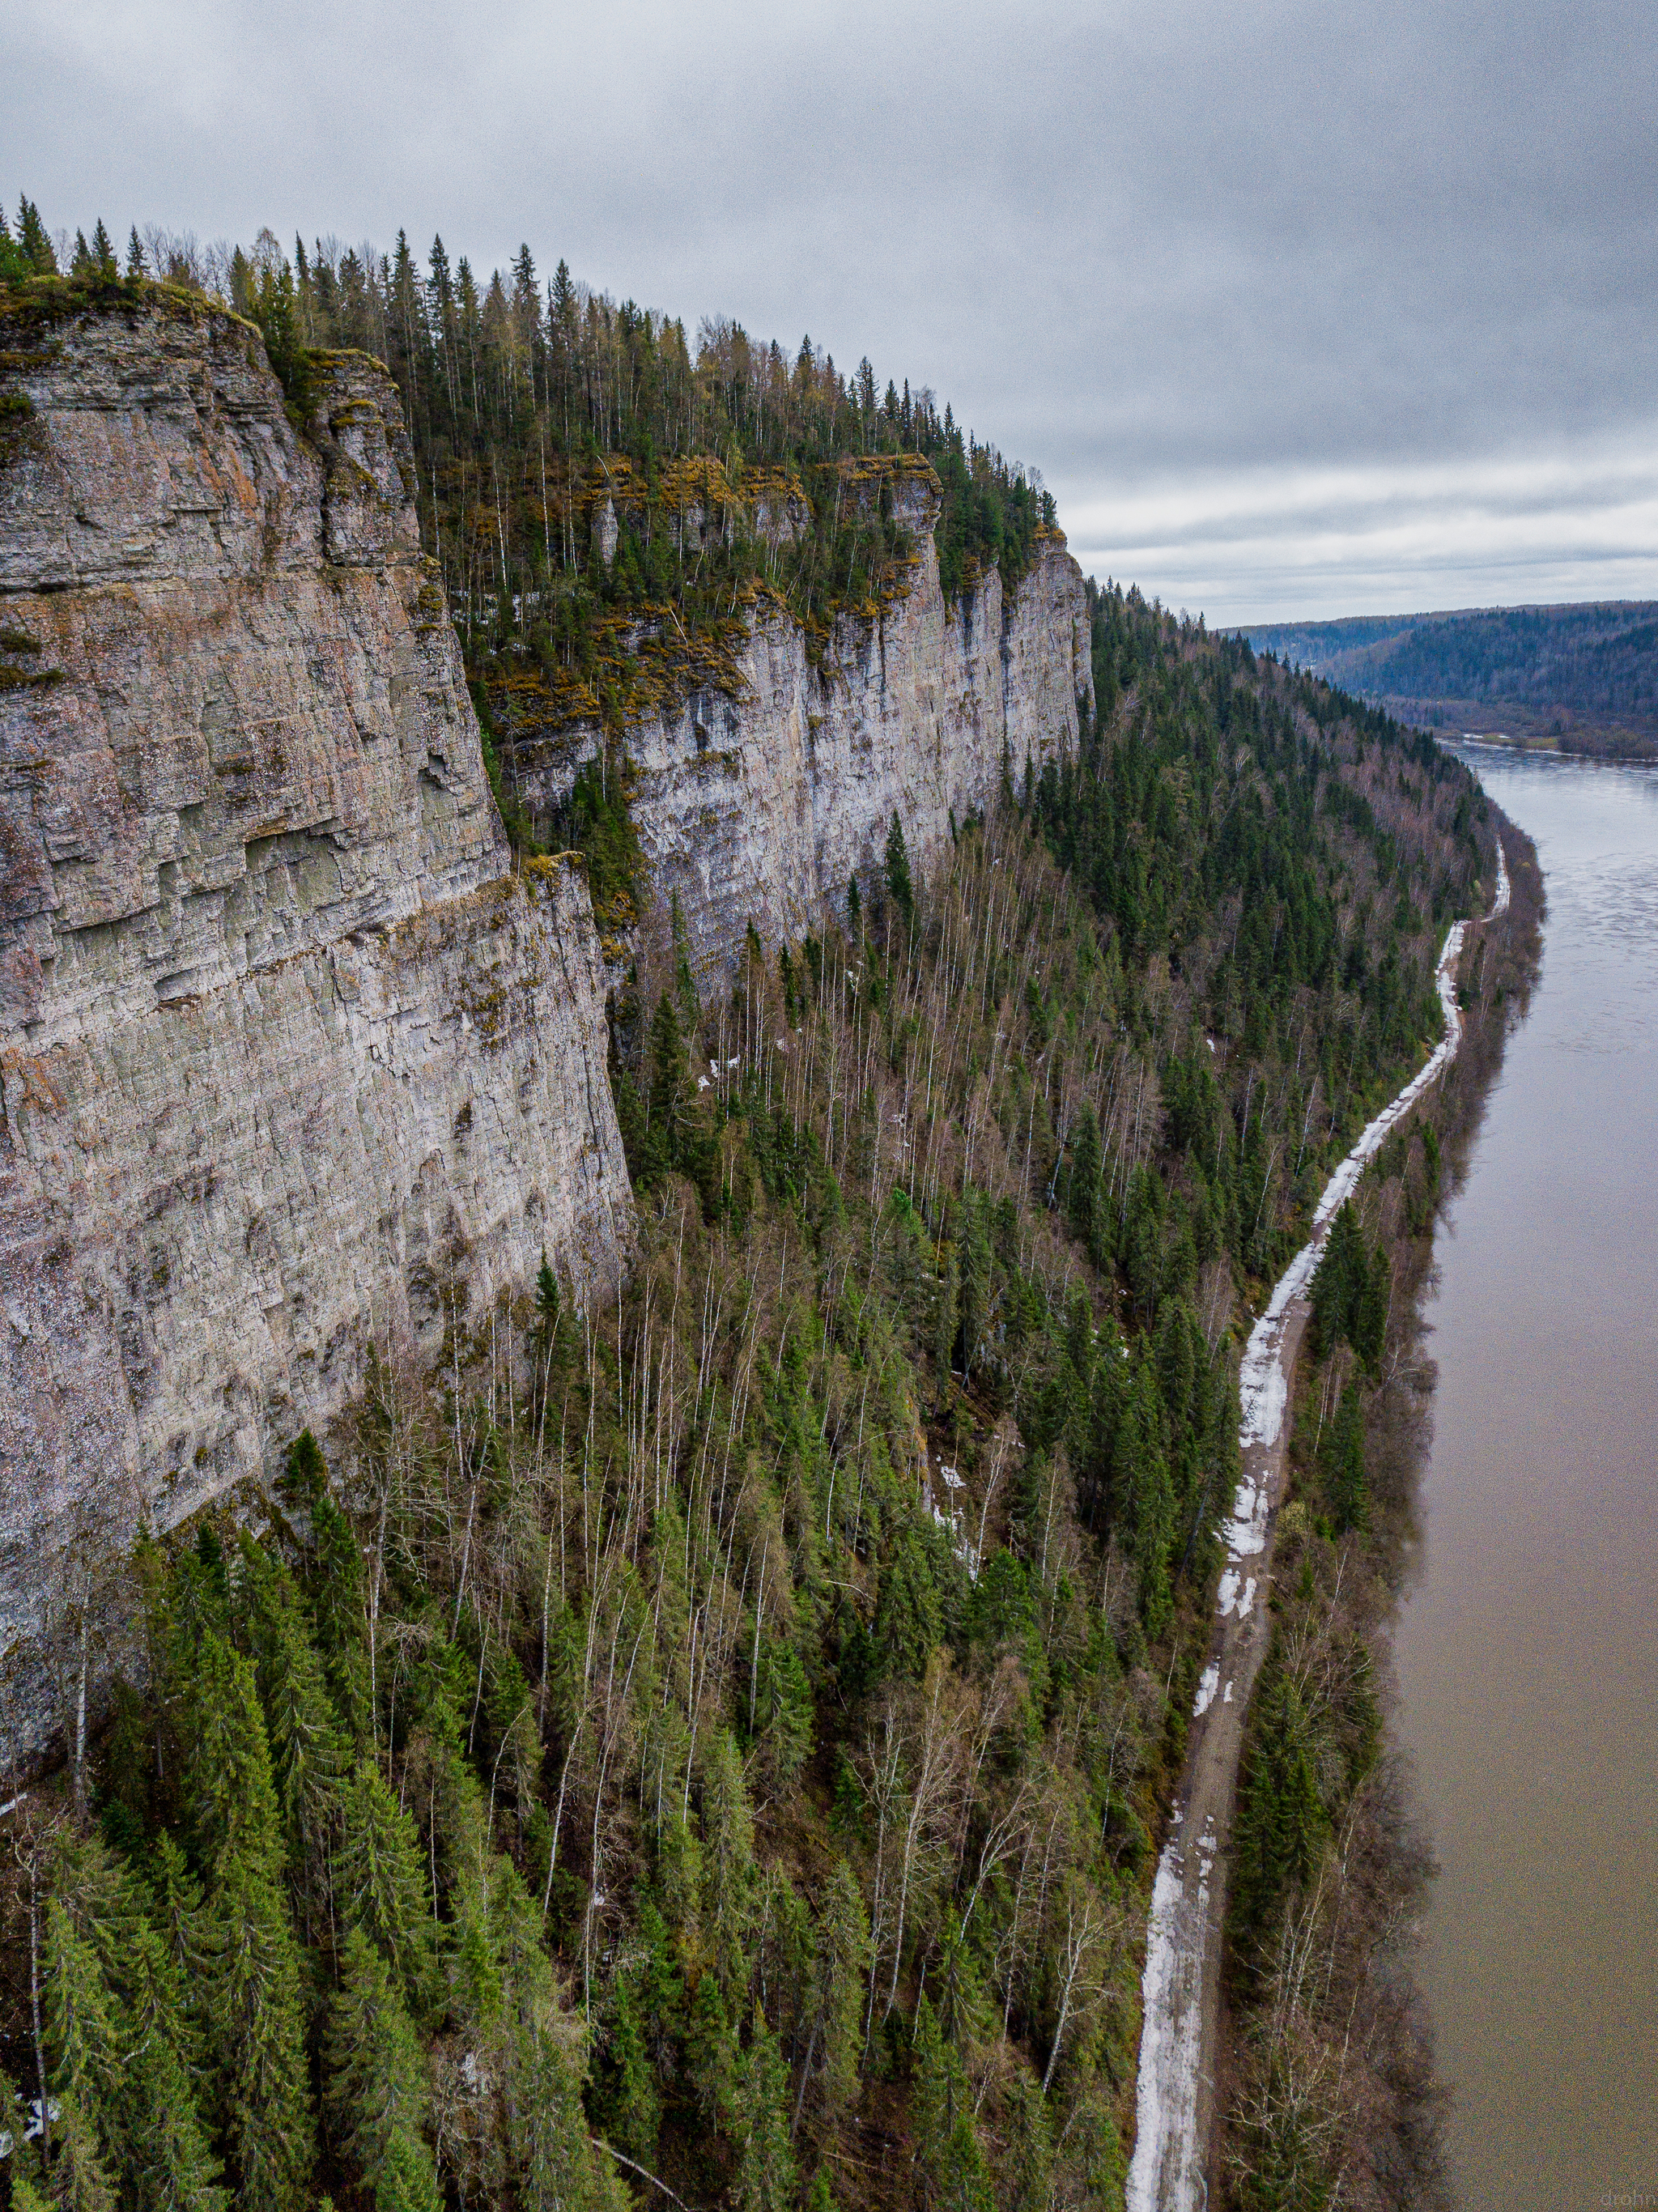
[
  {"x": 1180, "y": 2044},
  {"x": 1328, "y": 2042}
]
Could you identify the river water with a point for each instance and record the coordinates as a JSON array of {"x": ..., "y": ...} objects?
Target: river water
[{"x": 1527, "y": 1650}]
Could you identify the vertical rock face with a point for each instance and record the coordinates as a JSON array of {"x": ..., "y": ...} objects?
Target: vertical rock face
[
  {"x": 758, "y": 807},
  {"x": 288, "y": 1060}
]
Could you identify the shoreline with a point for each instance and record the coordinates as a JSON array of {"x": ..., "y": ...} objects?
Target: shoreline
[{"x": 1181, "y": 1982}]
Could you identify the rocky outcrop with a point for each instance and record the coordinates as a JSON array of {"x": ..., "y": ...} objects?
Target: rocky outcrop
[
  {"x": 290, "y": 1060},
  {"x": 757, "y": 802}
]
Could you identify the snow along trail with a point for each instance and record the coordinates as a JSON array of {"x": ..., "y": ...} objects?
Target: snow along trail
[{"x": 1180, "y": 1984}]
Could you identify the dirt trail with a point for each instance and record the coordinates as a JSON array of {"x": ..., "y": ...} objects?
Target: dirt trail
[{"x": 1181, "y": 1986}]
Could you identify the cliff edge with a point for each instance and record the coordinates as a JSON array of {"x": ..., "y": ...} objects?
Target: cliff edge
[{"x": 289, "y": 1061}]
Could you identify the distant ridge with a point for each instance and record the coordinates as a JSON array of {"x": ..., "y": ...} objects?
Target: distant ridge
[{"x": 1581, "y": 676}]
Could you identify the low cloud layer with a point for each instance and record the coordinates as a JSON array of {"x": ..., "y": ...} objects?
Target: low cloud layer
[{"x": 1300, "y": 310}]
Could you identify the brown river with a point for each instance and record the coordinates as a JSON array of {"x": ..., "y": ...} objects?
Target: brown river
[{"x": 1528, "y": 1649}]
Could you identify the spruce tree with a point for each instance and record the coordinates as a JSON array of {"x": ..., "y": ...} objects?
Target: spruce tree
[
  {"x": 626, "y": 2101},
  {"x": 14, "y": 262},
  {"x": 250, "y": 1968},
  {"x": 670, "y": 1093},
  {"x": 899, "y": 888},
  {"x": 1342, "y": 1452},
  {"x": 309, "y": 1753},
  {"x": 31, "y": 238},
  {"x": 765, "y": 2177},
  {"x": 84, "y": 2042},
  {"x": 561, "y": 2170},
  {"x": 375, "y": 2094},
  {"x": 711, "y": 2051},
  {"x": 381, "y": 1881},
  {"x": 946, "y": 2143},
  {"x": 79, "y": 2182}
]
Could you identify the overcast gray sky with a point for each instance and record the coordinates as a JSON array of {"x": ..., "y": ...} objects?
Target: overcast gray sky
[{"x": 1301, "y": 309}]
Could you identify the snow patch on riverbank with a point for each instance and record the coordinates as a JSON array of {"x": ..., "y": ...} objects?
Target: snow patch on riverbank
[
  {"x": 1165, "y": 2134},
  {"x": 1166, "y": 2173}
]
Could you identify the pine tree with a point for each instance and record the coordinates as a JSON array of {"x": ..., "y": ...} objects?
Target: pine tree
[{"x": 135, "y": 264}]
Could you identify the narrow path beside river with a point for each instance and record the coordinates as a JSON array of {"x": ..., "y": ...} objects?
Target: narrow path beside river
[{"x": 1180, "y": 1985}]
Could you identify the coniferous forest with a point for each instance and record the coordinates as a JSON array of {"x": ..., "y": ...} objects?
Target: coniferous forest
[{"x": 715, "y": 1748}]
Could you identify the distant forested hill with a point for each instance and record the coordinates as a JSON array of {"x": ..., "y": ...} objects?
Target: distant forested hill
[{"x": 1586, "y": 676}]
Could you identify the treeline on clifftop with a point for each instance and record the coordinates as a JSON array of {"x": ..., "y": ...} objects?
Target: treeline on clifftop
[
  {"x": 607, "y": 495},
  {"x": 725, "y": 1737}
]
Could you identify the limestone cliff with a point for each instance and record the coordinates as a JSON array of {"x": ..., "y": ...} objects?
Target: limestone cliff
[
  {"x": 286, "y": 1050},
  {"x": 756, "y": 802}
]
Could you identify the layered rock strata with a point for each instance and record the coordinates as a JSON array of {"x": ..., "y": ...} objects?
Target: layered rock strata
[
  {"x": 290, "y": 1061},
  {"x": 758, "y": 803}
]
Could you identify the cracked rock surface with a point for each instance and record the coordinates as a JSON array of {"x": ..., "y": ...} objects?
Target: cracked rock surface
[{"x": 290, "y": 1060}]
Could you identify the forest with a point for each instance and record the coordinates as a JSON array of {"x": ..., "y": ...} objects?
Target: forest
[
  {"x": 1585, "y": 676},
  {"x": 604, "y": 494},
  {"x": 716, "y": 1747}
]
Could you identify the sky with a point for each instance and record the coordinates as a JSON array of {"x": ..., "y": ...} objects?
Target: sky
[{"x": 1300, "y": 310}]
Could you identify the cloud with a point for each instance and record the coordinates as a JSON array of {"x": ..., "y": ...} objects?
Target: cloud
[{"x": 1279, "y": 297}]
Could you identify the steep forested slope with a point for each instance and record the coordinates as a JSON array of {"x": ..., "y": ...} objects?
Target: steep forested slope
[
  {"x": 1583, "y": 675},
  {"x": 734, "y": 1726}
]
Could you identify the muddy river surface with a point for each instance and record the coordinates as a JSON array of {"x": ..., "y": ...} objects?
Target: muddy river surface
[{"x": 1528, "y": 1649}]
